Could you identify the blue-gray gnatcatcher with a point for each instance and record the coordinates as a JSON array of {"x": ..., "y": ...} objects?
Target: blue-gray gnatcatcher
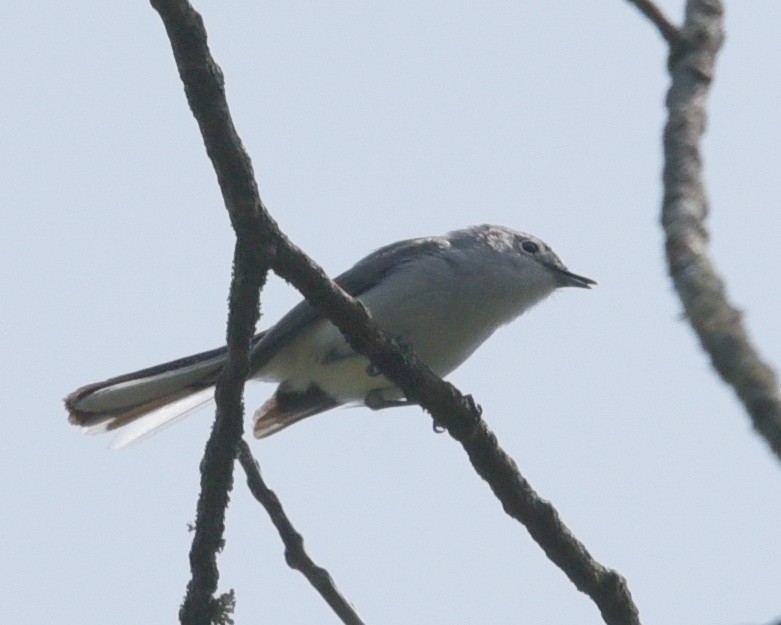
[{"x": 443, "y": 295}]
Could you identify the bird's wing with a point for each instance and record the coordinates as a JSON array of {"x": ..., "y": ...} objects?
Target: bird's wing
[{"x": 360, "y": 278}]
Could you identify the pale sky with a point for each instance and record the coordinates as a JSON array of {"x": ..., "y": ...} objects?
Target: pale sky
[{"x": 368, "y": 123}]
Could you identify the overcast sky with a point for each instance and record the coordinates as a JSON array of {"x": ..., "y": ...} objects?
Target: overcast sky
[{"x": 367, "y": 123}]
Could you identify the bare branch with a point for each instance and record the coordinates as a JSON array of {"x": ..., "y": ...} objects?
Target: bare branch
[
  {"x": 204, "y": 88},
  {"x": 295, "y": 554},
  {"x": 199, "y": 606},
  {"x": 458, "y": 413},
  {"x": 685, "y": 207},
  {"x": 666, "y": 28}
]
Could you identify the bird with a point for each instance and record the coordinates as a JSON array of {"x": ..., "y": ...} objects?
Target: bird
[{"x": 441, "y": 295}]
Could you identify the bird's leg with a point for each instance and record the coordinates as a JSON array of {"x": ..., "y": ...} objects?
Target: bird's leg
[{"x": 376, "y": 401}]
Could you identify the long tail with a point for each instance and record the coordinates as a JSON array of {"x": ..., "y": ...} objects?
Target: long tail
[{"x": 149, "y": 399}]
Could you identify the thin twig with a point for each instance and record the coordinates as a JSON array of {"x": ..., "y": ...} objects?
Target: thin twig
[
  {"x": 458, "y": 413},
  {"x": 685, "y": 207},
  {"x": 295, "y": 554},
  {"x": 199, "y": 606},
  {"x": 666, "y": 28}
]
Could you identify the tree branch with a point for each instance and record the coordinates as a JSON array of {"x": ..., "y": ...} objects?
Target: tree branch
[
  {"x": 667, "y": 29},
  {"x": 199, "y": 606},
  {"x": 295, "y": 554},
  {"x": 458, "y": 413},
  {"x": 204, "y": 87},
  {"x": 717, "y": 323}
]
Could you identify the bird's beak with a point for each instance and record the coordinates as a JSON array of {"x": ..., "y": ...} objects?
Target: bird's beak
[{"x": 567, "y": 278}]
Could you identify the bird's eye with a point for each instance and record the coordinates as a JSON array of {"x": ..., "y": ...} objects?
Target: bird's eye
[{"x": 530, "y": 246}]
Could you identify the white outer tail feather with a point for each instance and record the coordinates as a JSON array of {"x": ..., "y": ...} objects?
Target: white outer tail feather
[{"x": 159, "y": 419}]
